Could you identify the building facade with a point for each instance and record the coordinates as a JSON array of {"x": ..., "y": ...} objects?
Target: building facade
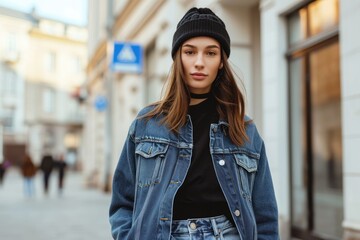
[
  {"x": 13, "y": 30},
  {"x": 42, "y": 65},
  {"x": 298, "y": 62},
  {"x": 311, "y": 105}
]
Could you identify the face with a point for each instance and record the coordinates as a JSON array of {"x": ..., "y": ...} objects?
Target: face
[{"x": 201, "y": 60}]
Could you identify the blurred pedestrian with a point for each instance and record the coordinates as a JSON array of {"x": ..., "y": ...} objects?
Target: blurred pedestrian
[
  {"x": 194, "y": 165},
  {"x": 3, "y": 167},
  {"x": 61, "y": 166},
  {"x": 46, "y": 166},
  {"x": 28, "y": 170},
  {"x": 2, "y": 173}
]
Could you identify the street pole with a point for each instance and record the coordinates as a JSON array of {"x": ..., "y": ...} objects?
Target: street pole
[{"x": 109, "y": 91}]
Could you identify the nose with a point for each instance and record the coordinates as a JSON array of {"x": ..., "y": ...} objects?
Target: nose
[{"x": 199, "y": 63}]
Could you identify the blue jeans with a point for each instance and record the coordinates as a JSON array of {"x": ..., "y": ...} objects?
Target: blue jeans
[
  {"x": 213, "y": 228},
  {"x": 29, "y": 189}
]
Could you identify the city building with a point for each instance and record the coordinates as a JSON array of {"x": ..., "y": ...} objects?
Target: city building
[
  {"x": 298, "y": 60},
  {"x": 42, "y": 66},
  {"x": 13, "y": 29}
]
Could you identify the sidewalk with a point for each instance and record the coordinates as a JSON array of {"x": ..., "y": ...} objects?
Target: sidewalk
[{"x": 78, "y": 214}]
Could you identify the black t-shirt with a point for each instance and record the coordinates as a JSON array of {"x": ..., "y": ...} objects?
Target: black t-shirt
[{"x": 200, "y": 195}]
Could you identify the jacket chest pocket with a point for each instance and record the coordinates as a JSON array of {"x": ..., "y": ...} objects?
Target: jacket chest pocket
[
  {"x": 246, "y": 170},
  {"x": 150, "y": 162}
]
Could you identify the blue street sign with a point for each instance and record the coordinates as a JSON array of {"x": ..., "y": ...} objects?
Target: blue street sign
[
  {"x": 100, "y": 103},
  {"x": 127, "y": 58}
]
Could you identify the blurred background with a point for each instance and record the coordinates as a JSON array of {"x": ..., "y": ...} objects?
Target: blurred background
[{"x": 74, "y": 74}]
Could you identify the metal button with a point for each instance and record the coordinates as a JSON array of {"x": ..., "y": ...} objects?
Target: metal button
[
  {"x": 237, "y": 212},
  {"x": 193, "y": 225},
  {"x": 222, "y": 162}
]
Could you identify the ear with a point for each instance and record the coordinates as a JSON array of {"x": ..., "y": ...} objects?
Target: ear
[{"x": 221, "y": 65}]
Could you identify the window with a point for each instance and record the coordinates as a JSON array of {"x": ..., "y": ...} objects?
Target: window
[
  {"x": 323, "y": 15},
  {"x": 76, "y": 65},
  {"x": 48, "y": 100},
  {"x": 52, "y": 28},
  {"x": 8, "y": 119},
  {"x": 11, "y": 42},
  {"x": 315, "y": 121},
  {"x": 10, "y": 82},
  {"x": 50, "y": 62},
  {"x": 317, "y": 17}
]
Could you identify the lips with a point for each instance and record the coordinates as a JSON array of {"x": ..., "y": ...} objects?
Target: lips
[{"x": 198, "y": 75}]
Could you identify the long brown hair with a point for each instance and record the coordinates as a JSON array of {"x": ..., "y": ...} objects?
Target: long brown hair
[{"x": 175, "y": 102}]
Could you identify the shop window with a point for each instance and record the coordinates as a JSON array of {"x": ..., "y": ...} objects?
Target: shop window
[{"x": 315, "y": 120}]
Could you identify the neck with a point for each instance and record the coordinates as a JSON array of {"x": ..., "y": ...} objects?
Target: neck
[{"x": 200, "y": 96}]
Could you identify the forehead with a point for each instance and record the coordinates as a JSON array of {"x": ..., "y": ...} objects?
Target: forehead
[{"x": 202, "y": 41}]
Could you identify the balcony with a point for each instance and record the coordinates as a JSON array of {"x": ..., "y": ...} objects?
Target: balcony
[{"x": 10, "y": 57}]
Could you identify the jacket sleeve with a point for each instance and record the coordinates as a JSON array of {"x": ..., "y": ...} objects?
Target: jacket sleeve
[
  {"x": 123, "y": 190},
  {"x": 264, "y": 201}
]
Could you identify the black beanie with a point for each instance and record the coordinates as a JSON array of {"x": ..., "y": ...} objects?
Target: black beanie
[{"x": 200, "y": 22}]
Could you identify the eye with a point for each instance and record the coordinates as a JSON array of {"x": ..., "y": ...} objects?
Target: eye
[
  {"x": 211, "y": 53},
  {"x": 189, "y": 52}
]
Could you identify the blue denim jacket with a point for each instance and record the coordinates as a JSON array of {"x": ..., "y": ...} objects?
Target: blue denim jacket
[{"x": 153, "y": 165}]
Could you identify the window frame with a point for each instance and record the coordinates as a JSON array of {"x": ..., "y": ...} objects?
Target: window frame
[{"x": 303, "y": 49}]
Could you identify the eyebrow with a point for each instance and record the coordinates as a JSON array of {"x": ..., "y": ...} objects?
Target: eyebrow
[{"x": 192, "y": 46}]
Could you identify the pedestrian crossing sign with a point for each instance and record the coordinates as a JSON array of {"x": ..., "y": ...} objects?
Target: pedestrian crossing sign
[
  {"x": 101, "y": 103},
  {"x": 127, "y": 58}
]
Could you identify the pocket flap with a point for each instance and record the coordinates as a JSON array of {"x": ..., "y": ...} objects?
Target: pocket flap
[
  {"x": 249, "y": 164},
  {"x": 151, "y": 149}
]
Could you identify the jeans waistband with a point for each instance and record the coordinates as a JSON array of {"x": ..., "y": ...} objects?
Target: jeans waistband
[{"x": 211, "y": 224}]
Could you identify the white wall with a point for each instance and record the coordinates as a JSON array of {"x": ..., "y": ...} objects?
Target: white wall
[{"x": 275, "y": 112}]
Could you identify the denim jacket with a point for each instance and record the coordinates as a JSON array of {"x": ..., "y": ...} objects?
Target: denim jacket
[{"x": 153, "y": 165}]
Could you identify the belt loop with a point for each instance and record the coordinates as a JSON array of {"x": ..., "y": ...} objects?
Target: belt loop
[{"x": 215, "y": 229}]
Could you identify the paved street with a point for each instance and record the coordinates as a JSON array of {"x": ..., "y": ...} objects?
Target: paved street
[{"x": 79, "y": 214}]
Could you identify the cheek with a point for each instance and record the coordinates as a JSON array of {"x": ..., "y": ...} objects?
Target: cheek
[
  {"x": 186, "y": 65},
  {"x": 216, "y": 64},
  {"x": 215, "y": 68}
]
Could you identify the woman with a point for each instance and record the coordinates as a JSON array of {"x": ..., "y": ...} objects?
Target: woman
[
  {"x": 28, "y": 170},
  {"x": 193, "y": 165}
]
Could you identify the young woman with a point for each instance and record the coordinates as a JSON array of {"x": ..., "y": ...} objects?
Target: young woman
[
  {"x": 193, "y": 165},
  {"x": 28, "y": 170}
]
